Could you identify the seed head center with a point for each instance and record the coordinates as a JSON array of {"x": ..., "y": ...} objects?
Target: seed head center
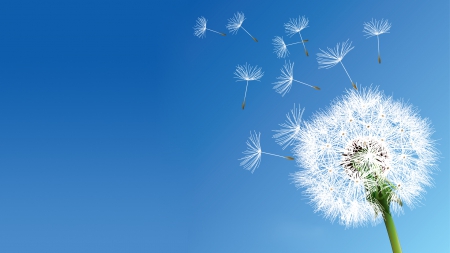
[{"x": 365, "y": 158}]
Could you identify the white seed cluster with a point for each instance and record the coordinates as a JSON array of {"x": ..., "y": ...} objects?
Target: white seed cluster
[
  {"x": 365, "y": 159},
  {"x": 363, "y": 133}
]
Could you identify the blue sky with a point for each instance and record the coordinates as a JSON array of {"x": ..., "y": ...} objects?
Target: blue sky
[{"x": 121, "y": 130}]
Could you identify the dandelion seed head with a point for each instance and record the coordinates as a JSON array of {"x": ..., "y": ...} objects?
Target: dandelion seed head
[
  {"x": 290, "y": 131},
  {"x": 200, "y": 27},
  {"x": 280, "y": 47},
  {"x": 363, "y": 158},
  {"x": 235, "y": 22},
  {"x": 252, "y": 157},
  {"x": 294, "y": 25},
  {"x": 328, "y": 59},
  {"x": 284, "y": 84},
  {"x": 248, "y": 73},
  {"x": 376, "y": 27}
]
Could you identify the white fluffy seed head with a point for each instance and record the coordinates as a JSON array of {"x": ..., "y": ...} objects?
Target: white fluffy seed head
[
  {"x": 235, "y": 22},
  {"x": 280, "y": 47},
  {"x": 289, "y": 134},
  {"x": 200, "y": 27},
  {"x": 376, "y": 27},
  {"x": 252, "y": 157},
  {"x": 284, "y": 84},
  {"x": 364, "y": 138},
  {"x": 248, "y": 73},
  {"x": 334, "y": 55},
  {"x": 295, "y": 26}
]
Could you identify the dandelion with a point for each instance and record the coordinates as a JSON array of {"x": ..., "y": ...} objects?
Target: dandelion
[
  {"x": 248, "y": 73},
  {"x": 295, "y": 26},
  {"x": 287, "y": 77},
  {"x": 235, "y": 23},
  {"x": 291, "y": 128},
  {"x": 281, "y": 47},
  {"x": 376, "y": 28},
  {"x": 334, "y": 56},
  {"x": 365, "y": 155},
  {"x": 252, "y": 157},
  {"x": 200, "y": 28}
]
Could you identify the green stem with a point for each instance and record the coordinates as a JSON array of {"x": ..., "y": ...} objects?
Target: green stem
[
  {"x": 382, "y": 195},
  {"x": 390, "y": 226},
  {"x": 392, "y": 232}
]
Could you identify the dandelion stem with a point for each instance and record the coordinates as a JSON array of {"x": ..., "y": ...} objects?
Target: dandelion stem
[
  {"x": 392, "y": 232},
  {"x": 306, "y": 51},
  {"x": 223, "y": 34},
  {"x": 294, "y": 43},
  {"x": 245, "y": 95},
  {"x": 390, "y": 226},
  {"x": 382, "y": 196},
  {"x": 379, "y": 57},
  {"x": 354, "y": 86},
  {"x": 271, "y": 154},
  {"x": 249, "y": 34},
  {"x": 286, "y": 157},
  {"x": 346, "y": 72},
  {"x": 315, "y": 87},
  {"x": 303, "y": 41}
]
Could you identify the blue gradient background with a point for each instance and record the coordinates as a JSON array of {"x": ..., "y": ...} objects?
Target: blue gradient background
[{"x": 121, "y": 130}]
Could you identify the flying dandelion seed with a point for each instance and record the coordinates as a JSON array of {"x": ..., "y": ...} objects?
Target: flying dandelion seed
[
  {"x": 281, "y": 47},
  {"x": 376, "y": 28},
  {"x": 252, "y": 158},
  {"x": 287, "y": 77},
  {"x": 200, "y": 28},
  {"x": 291, "y": 128},
  {"x": 295, "y": 26},
  {"x": 334, "y": 56},
  {"x": 247, "y": 73},
  {"x": 365, "y": 155},
  {"x": 235, "y": 23}
]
